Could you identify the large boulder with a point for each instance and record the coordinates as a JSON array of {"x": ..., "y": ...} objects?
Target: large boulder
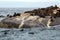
[{"x": 28, "y": 21}]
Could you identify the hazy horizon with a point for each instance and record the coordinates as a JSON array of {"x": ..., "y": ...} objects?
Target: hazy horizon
[{"x": 28, "y": 3}]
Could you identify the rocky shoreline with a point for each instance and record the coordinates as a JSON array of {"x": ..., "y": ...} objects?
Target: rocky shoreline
[{"x": 41, "y": 17}]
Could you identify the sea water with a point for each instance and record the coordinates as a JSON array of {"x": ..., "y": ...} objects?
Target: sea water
[
  {"x": 39, "y": 34},
  {"x": 5, "y": 11}
]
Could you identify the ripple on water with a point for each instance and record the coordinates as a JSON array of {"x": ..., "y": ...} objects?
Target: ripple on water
[{"x": 39, "y": 34}]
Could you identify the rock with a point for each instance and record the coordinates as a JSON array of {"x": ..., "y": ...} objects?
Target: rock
[
  {"x": 8, "y": 15},
  {"x": 31, "y": 33},
  {"x": 16, "y": 14},
  {"x": 2, "y": 16},
  {"x": 25, "y": 20},
  {"x": 5, "y": 33},
  {"x": 31, "y": 21},
  {"x": 55, "y": 21},
  {"x": 22, "y": 30},
  {"x": 2, "y": 25},
  {"x": 35, "y": 18}
]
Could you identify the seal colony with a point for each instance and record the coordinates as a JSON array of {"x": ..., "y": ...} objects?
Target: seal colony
[{"x": 41, "y": 17}]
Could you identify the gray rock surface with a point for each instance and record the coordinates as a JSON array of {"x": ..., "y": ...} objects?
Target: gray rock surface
[{"x": 28, "y": 21}]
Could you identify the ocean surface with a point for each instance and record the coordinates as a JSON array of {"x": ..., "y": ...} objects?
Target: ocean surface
[
  {"x": 27, "y": 33},
  {"x": 5, "y": 11},
  {"x": 10, "y": 11}
]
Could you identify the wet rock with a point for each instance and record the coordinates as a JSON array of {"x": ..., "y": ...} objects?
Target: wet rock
[
  {"x": 5, "y": 33},
  {"x": 16, "y": 14},
  {"x": 2, "y": 25},
  {"x": 31, "y": 33},
  {"x": 8, "y": 15},
  {"x": 22, "y": 30},
  {"x": 2, "y": 16}
]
